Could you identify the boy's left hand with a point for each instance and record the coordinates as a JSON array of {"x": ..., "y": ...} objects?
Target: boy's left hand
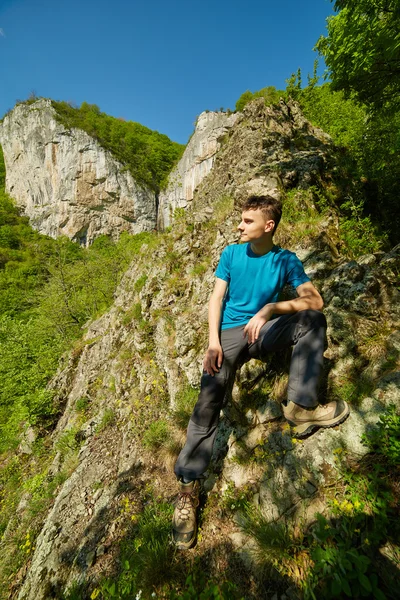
[{"x": 253, "y": 327}]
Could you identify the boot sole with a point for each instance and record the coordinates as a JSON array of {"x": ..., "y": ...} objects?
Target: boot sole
[
  {"x": 304, "y": 429},
  {"x": 186, "y": 545}
]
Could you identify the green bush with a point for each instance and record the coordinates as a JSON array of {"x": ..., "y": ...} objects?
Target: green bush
[
  {"x": 108, "y": 419},
  {"x": 357, "y": 230},
  {"x": 336, "y": 557},
  {"x": 49, "y": 289},
  {"x": 198, "y": 588},
  {"x": 270, "y": 94},
  {"x": 82, "y": 404},
  {"x": 372, "y": 140},
  {"x": 341, "y": 568},
  {"x": 140, "y": 283},
  {"x": 385, "y": 439}
]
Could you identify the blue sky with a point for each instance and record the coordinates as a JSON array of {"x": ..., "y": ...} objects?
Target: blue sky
[{"x": 156, "y": 62}]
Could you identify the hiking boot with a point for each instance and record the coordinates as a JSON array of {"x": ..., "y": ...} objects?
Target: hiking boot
[
  {"x": 305, "y": 420},
  {"x": 184, "y": 522}
]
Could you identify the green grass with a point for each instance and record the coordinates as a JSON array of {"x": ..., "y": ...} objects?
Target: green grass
[
  {"x": 108, "y": 419},
  {"x": 184, "y": 404},
  {"x": 157, "y": 435},
  {"x": 146, "y": 555},
  {"x": 337, "y": 556},
  {"x": 384, "y": 440},
  {"x": 140, "y": 283}
]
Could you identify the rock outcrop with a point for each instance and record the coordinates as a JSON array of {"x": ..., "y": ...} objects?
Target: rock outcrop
[
  {"x": 136, "y": 364},
  {"x": 66, "y": 183}
]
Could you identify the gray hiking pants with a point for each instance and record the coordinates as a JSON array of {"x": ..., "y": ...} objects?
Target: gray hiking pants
[{"x": 305, "y": 330}]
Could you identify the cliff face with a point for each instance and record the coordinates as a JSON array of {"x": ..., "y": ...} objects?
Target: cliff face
[
  {"x": 195, "y": 164},
  {"x": 137, "y": 362},
  {"x": 66, "y": 183}
]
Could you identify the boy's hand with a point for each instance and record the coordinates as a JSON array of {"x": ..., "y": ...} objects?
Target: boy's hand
[
  {"x": 253, "y": 327},
  {"x": 213, "y": 360}
]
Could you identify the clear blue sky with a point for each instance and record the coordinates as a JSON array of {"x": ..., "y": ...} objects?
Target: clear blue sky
[{"x": 156, "y": 62}]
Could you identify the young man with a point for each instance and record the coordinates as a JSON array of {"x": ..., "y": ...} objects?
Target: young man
[{"x": 246, "y": 320}]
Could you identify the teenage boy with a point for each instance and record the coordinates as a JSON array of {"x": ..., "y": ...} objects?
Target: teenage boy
[{"x": 246, "y": 320}]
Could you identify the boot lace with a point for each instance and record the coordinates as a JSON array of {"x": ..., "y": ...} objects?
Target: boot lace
[{"x": 187, "y": 501}]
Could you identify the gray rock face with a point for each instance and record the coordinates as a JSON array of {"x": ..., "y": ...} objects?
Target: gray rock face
[
  {"x": 66, "y": 183},
  {"x": 81, "y": 518},
  {"x": 195, "y": 164}
]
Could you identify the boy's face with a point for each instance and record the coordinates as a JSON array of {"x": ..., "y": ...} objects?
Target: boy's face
[{"x": 254, "y": 226}]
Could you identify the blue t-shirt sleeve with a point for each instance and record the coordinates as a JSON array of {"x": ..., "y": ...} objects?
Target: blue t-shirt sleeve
[
  {"x": 295, "y": 272},
  {"x": 224, "y": 266}
]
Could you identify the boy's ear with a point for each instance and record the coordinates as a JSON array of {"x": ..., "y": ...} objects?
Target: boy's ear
[{"x": 269, "y": 226}]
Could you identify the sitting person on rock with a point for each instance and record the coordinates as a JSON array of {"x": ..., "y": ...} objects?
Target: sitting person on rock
[{"x": 246, "y": 321}]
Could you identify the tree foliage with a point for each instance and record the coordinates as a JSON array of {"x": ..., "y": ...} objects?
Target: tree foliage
[
  {"x": 373, "y": 144},
  {"x": 362, "y": 50},
  {"x": 269, "y": 93},
  {"x": 49, "y": 289},
  {"x": 2, "y": 170},
  {"x": 148, "y": 155}
]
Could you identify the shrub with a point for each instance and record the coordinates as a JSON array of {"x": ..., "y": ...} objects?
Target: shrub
[
  {"x": 107, "y": 420},
  {"x": 140, "y": 283},
  {"x": 270, "y": 94},
  {"x": 385, "y": 439}
]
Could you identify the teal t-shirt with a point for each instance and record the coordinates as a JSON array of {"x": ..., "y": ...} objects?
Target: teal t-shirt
[{"x": 254, "y": 280}]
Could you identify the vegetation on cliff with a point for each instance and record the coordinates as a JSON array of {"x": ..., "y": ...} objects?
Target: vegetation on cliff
[
  {"x": 359, "y": 107},
  {"x": 371, "y": 142},
  {"x": 147, "y": 154}
]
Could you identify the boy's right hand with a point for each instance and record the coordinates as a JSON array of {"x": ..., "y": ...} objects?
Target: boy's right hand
[{"x": 213, "y": 360}]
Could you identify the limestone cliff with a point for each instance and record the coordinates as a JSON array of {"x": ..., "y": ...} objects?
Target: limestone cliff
[
  {"x": 195, "y": 164},
  {"x": 66, "y": 183},
  {"x": 135, "y": 362}
]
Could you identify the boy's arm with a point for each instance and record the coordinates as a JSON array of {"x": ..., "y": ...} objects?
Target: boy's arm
[
  {"x": 308, "y": 298},
  {"x": 213, "y": 358}
]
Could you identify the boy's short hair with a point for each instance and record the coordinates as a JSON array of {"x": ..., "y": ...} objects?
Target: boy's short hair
[{"x": 270, "y": 206}]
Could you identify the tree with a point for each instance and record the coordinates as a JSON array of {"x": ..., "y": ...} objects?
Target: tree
[{"x": 362, "y": 50}]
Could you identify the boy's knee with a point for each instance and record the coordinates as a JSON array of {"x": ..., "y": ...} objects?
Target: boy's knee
[{"x": 313, "y": 319}]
